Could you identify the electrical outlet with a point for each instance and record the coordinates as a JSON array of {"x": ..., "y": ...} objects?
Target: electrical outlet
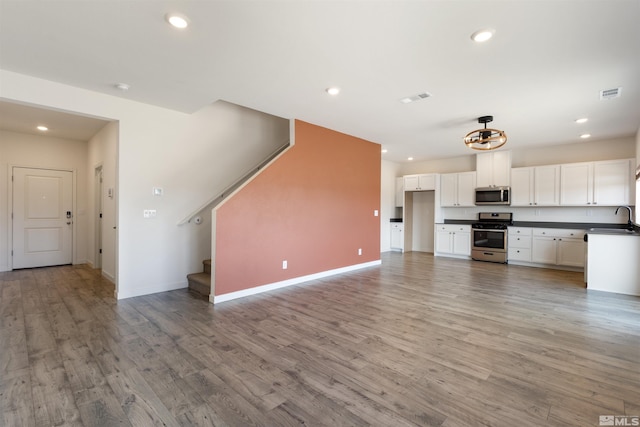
[
  {"x": 359, "y": 251},
  {"x": 375, "y": 212},
  {"x": 284, "y": 264}
]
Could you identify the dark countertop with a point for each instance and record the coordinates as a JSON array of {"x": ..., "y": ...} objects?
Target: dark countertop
[
  {"x": 534, "y": 224},
  {"x": 575, "y": 225}
]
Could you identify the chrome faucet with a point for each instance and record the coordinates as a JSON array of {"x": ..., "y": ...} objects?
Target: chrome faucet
[{"x": 629, "y": 223}]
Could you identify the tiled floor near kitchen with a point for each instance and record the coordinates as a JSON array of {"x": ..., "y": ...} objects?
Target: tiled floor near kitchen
[{"x": 417, "y": 341}]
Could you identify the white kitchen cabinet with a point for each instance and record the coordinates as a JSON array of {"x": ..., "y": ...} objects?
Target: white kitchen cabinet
[
  {"x": 570, "y": 252},
  {"x": 535, "y": 186},
  {"x": 457, "y": 189},
  {"x": 397, "y": 236},
  {"x": 493, "y": 169},
  {"x": 453, "y": 239},
  {"x": 544, "y": 250},
  {"x": 558, "y": 247},
  {"x": 605, "y": 183},
  {"x": 399, "y": 192},
  {"x": 519, "y": 244},
  {"x": 423, "y": 182}
]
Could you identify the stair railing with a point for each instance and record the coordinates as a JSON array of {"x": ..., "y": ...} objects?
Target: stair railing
[{"x": 209, "y": 204}]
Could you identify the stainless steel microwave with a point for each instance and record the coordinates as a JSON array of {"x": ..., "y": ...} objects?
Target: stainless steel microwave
[{"x": 493, "y": 196}]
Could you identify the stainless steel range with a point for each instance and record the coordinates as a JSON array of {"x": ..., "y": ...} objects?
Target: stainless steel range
[{"x": 489, "y": 236}]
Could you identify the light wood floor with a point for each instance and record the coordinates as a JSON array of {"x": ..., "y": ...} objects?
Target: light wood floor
[{"x": 417, "y": 341}]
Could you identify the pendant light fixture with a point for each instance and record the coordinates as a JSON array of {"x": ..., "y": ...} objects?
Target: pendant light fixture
[{"x": 485, "y": 139}]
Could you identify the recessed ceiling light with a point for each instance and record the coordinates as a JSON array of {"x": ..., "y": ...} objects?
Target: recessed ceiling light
[
  {"x": 582, "y": 120},
  {"x": 333, "y": 91},
  {"x": 410, "y": 158},
  {"x": 482, "y": 35},
  {"x": 384, "y": 150},
  {"x": 122, "y": 86},
  {"x": 42, "y": 128},
  {"x": 176, "y": 20},
  {"x": 585, "y": 135}
]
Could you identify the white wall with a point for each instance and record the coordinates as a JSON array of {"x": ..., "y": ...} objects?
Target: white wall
[
  {"x": 103, "y": 151},
  {"x": 36, "y": 151},
  {"x": 190, "y": 156},
  {"x": 450, "y": 165},
  {"x": 611, "y": 149},
  {"x": 387, "y": 202}
]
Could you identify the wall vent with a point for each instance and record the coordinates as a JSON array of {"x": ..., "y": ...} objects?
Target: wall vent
[
  {"x": 414, "y": 98},
  {"x": 610, "y": 93}
]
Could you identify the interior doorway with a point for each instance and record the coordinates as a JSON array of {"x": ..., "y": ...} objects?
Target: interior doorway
[{"x": 419, "y": 219}]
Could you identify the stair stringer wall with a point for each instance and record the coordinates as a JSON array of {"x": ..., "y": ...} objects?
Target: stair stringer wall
[
  {"x": 239, "y": 139},
  {"x": 315, "y": 206}
]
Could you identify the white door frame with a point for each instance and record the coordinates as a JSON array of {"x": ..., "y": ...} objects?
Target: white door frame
[
  {"x": 97, "y": 218},
  {"x": 74, "y": 197}
]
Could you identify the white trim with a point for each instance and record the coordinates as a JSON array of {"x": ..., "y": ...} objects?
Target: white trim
[
  {"x": 289, "y": 282},
  {"x": 109, "y": 277}
]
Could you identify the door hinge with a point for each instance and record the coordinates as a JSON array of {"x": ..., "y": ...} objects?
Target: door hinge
[
  {"x": 100, "y": 214},
  {"x": 100, "y": 250},
  {"x": 11, "y": 252}
]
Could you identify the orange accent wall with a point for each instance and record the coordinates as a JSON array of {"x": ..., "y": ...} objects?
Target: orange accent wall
[{"x": 313, "y": 207}]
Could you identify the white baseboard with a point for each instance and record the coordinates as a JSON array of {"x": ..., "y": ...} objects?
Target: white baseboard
[
  {"x": 289, "y": 282},
  {"x": 4, "y": 268},
  {"x": 108, "y": 276}
]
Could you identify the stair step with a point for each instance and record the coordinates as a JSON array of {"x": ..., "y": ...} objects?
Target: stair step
[
  {"x": 207, "y": 265},
  {"x": 200, "y": 283}
]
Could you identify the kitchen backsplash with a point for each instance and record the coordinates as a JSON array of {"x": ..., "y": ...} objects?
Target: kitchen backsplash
[{"x": 544, "y": 214}]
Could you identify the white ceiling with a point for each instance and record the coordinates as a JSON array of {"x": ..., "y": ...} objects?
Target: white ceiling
[
  {"x": 543, "y": 69},
  {"x": 25, "y": 118}
]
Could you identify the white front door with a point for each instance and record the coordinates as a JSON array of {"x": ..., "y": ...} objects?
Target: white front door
[{"x": 42, "y": 217}]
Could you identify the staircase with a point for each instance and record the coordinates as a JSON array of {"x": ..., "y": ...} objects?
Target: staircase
[{"x": 200, "y": 283}]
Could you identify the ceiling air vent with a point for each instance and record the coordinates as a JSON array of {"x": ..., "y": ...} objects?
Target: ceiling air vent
[
  {"x": 414, "y": 98},
  {"x": 610, "y": 93}
]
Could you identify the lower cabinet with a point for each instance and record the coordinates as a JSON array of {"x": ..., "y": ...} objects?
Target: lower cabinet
[
  {"x": 548, "y": 246},
  {"x": 519, "y": 244},
  {"x": 397, "y": 236},
  {"x": 453, "y": 240},
  {"x": 558, "y": 247}
]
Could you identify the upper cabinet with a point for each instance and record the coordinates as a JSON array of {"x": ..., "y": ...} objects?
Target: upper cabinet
[
  {"x": 422, "y": 182},
  {"x": 493, "y": 169},
  {"x": 535, "y": 186},
  {"x": 457, "y": 189},
  {"x": 605, "y": 183}
]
